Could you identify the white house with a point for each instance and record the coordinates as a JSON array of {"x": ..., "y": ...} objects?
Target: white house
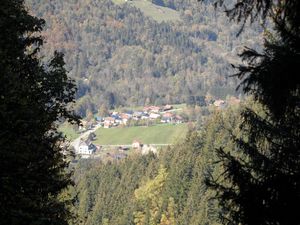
[
  {"x": 145, "y": 117},
  {"x": 136, "y": 144},
  {"x": 86, "y": 148},
  {"x": 154, "y": 116}
]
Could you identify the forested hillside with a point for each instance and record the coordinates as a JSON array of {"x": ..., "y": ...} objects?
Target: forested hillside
[
  {"x": 165, "y": 189},
  {"x": 118, "y": 56}
]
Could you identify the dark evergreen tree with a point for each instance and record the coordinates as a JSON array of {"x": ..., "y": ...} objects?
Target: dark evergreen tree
[
  {"x": 262, "y": 174},
  {"x": 33, "y": 96}
]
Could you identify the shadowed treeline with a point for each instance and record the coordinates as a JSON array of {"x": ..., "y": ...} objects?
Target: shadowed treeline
[
  {"x": 261, "y": 182},
  {"x": 33, "y": 96}
]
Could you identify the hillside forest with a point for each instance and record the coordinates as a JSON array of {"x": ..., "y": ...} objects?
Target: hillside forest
[{"x": 120, "y": 57}]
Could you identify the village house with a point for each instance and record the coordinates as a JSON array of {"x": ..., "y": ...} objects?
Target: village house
[
  {"x": 82, "y": 126},
  {"x": 86, "y": 148},
  {"x": 114, "y": 113},
  {"x": 171, "y": 118},
  {"x": 146, "y": 109},
  {"x": 118, "y": 119},
  {"x": 155, "y": 109},
  {"x": 154, "y": 116},
  {"x": 109, "y": 119},
  {"x": 109, "y": 122},
  {"x": 136, "y": 144},
  {"x": 136, "y": 116},
  {"x": 178, "y": 119},
  {"x": 124, "y": 117},
  {"x": 167, "y": 117},
  {"x": 145, "y": 116}
]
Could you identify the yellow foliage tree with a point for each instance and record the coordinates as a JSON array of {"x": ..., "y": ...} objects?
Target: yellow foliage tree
[{"x": 149, "y": 199}]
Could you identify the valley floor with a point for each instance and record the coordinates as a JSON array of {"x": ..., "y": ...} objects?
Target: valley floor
[{"x": 156, "y": 134}]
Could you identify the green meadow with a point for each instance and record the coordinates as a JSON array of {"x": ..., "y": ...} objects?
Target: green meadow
[
  {"x": 158, "y": 134},
  {"x": 68, "y": 130}
]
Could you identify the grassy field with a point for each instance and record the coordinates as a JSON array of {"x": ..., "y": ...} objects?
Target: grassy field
[
  {"x": 158, "y": 134},
  {"x": 156, "y": 12},
  {"x": 67, "y": 130},
  {"x": 179, "y": 106}
]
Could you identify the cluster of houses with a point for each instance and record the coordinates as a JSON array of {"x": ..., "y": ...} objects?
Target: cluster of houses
[{"x": 163, "y": 114}]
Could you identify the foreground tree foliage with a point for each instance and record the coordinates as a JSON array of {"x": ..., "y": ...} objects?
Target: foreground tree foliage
[
  {"x": 33, "y": 96},
  {"x": 262, "y": 173}
]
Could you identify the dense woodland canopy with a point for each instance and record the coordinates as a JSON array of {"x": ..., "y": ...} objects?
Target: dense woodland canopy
[{"x": 118, "y": 56}]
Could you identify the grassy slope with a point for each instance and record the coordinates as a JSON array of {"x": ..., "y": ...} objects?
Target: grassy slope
[
  {"x": 159, "y": 134},
  {"x": 156, "y": 12},
  {"x": 67, "y": 130}
]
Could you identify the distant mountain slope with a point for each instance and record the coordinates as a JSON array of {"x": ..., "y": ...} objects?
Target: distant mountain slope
[
  {"x": 154, "y": 11},
  {"x": 118, "y": 56}
]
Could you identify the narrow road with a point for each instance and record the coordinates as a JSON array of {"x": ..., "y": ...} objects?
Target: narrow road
[{"x": 75, "y": 143}]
